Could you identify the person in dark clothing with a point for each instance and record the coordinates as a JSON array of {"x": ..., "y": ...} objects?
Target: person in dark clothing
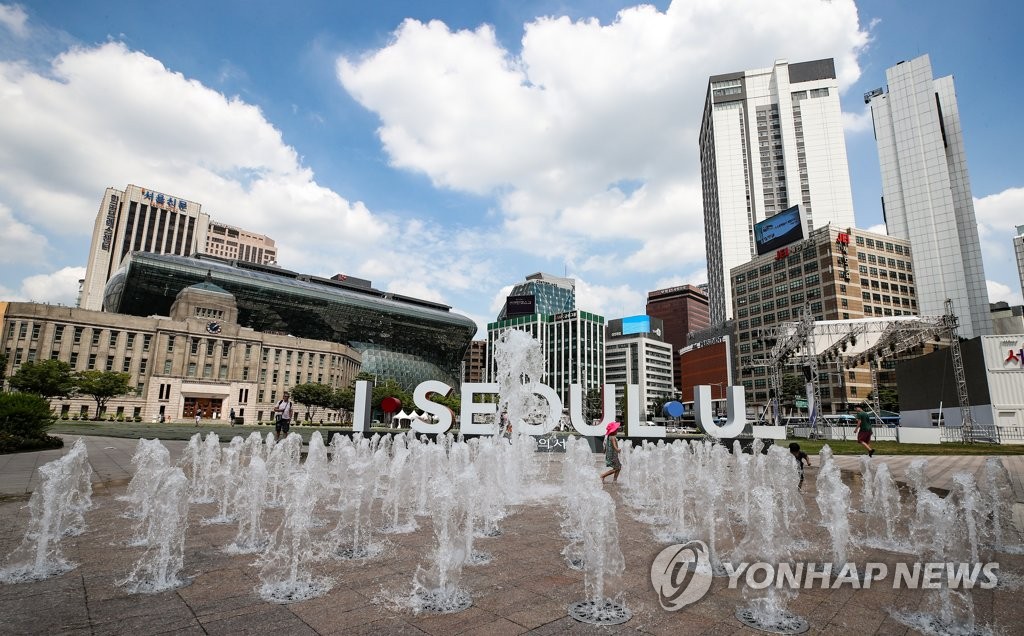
[{"x": 800, "y": 457}]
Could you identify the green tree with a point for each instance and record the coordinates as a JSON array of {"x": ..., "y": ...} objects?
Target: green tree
[
  {"x": 389, "y": 387},
  {"x": 365, "y": 376},
  {"x": 793, "y": 388},
  {"x": 313, "y": 396},
  {"x": 888, "y": 399},
  {"x": 47, "y": 379},
  {"x": 3, "y": 369},
  {"x": 102, "y": 385},
  {"x": 344, "y": 399},
  {"x": 453, "y": 401},
  {"x": 24, "y": 415}
]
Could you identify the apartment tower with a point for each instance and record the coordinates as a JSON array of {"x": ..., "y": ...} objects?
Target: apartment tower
[{"x": 770, "y": 139}]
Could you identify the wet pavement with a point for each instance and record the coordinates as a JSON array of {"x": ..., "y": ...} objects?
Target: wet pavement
[{"x": 526, "y": 587}]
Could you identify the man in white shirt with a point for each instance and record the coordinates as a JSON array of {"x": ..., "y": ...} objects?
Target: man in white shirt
[{"x": 284, "y": 417}]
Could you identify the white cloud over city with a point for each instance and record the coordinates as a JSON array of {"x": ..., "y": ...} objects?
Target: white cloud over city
[{"x": 553, "y": 130}]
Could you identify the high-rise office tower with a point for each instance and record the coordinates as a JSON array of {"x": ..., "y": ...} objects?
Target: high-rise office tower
[
  {"x": 572, "y": 340},
  {"x": 927, "y": 193},
  {"x": 139, "y": 220},
  {"x": 635, "y": 352},
  {"x": 681, "y": 310},
  {"x": 1018, "y": 248},
  {"x": 540, "y": 293},
  {"x": 142, "y": 220},
  {"x": 770, "y": 139}
]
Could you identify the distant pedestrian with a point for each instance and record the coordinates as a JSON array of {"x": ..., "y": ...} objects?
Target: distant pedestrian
[
  {"x": 611, "y": 452},
  {"x": 865, "y": 425},
  {"x": 231, "y": 415},
  {"x": 284, "y": 417},
  {"x": 199, "y": 415}
]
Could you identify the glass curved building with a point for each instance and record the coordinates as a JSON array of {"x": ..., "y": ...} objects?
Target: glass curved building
[{"x": 407, "y": 339}]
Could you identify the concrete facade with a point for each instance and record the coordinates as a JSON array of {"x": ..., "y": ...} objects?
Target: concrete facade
[
  {"x": 234, "y": 243},
  {"x": 682, "y": 310},
  {"x": 927, "y": 191},
  {"x": 474, "y": 365},
  {"x": 195, "y": 359},
  {"x": 770, "y": 139},
  {"x": 836, "y": 275},
  {"x": 138, "y": 219},
  {"x": 643, "y": 359}
]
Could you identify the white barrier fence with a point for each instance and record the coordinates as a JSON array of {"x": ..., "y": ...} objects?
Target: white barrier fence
[
  {"x": 844, "y": 433},
  {"x": 913, "y": 435}
]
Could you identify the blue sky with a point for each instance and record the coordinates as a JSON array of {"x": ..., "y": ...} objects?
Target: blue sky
[{"x": 446, "y": 149}]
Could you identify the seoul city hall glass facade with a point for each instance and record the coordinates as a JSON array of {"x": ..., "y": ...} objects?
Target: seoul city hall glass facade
[{"x": 403, "y": 338}]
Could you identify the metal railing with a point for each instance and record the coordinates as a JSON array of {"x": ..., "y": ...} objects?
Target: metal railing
[
  {"x": 844, "y": 433},
  {"x": 984, "y": 433},
  {"x": 949, "y": 434}
]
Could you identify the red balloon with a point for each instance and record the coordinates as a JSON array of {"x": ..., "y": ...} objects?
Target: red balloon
[{"x": 390, "y": 404}]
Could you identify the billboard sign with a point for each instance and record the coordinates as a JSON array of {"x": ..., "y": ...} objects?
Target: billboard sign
[
  {"x": 636, "y": 324},
  {"x": 519, "y": 306},
  {"x": 778, "y": 231}
]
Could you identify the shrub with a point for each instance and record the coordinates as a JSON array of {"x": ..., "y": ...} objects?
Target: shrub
[
  {"x": 13, "y": 444},
  {"x": 138, "y": 418},
  {"x": 24, "y": 415}
]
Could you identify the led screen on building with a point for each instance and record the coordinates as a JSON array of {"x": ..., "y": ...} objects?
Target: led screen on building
[
  {"x": 519, "y": 306},
  {"x": 636, "y": 324},
  {"x": 778, "y": 231}
]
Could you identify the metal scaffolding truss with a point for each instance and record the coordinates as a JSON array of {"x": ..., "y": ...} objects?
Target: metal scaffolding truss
[{"x": 854, "y": 343}]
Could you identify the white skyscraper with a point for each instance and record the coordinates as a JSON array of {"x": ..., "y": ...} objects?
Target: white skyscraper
[
  {"x": 1018, "y": 248},
  {"x": 770, "y": 139},
  {"x": 927, "y": 193}
]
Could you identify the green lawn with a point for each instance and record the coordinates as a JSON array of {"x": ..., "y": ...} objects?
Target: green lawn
[
  {"x": 185, "y": 430},
  {"x": 812, "y": 446}
]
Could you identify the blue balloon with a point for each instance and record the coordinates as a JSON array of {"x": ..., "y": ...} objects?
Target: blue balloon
[{"x": 673, "y": 409}]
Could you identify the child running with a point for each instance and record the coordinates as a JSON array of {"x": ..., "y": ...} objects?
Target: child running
[{"x": 611, "y": 452}]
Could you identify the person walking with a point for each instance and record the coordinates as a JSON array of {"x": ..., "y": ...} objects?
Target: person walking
[
  {"x": 199, "y": 415},
  {"x": 611, "y": 452},
  {"x": 284, "y": 417},
  {"x": 865, "y": 425},
  {"x": 231, "y": 416}
]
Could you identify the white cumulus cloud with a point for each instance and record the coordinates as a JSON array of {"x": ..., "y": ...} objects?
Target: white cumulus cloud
[
  {"x": 999, "y": 292},
  {"x": 60, "y": 286},
  {"x": 555, "y": 128},
  {"x": 14, "y": 19},
  {"x": 110, "y": 116}
]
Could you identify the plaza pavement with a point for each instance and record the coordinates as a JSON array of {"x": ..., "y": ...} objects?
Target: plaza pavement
[{"x": 525, "y": 589}]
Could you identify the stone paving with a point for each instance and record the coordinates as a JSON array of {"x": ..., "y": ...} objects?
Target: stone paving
[{"x": 525, "y": 589}]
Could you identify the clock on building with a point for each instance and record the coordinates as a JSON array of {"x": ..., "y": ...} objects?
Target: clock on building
[{"x": 213, "y": 327}]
